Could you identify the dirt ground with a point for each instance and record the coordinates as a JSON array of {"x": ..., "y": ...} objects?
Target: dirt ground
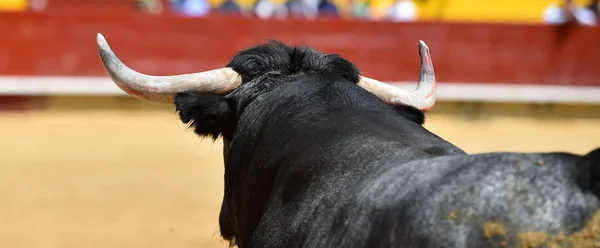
[{"x": 115, "y": 173}]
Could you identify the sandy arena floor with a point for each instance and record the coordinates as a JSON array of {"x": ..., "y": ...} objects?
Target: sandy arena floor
[{"x": 83, "y": 178}]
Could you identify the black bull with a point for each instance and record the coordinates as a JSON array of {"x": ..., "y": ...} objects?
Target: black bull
[{"x": 313, "y": 160}]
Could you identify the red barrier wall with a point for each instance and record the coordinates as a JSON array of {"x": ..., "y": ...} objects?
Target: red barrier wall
[{"x": 58, "y": 44}]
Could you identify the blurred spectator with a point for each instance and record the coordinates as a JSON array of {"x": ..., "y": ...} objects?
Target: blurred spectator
[
  {"x": 229, "y": 6},
  {"x": 191, "y": 7},
  {"x": 246, "y": 6},
  {"x": 37, "y": 5},
  {"x": 344, "y": 8},
  {"x": 593, "y": 6},
  {"x": 266, "y": 9},
  {"x": 308, "y": 9},
  {"x": 328, "y": 8},
  {"x": 150, "y": 6},
  {"x": 403, "y": 10},
  {"x": 359, "y": 8},
  {"x": 567, "y": 12},
  {"x": 378, "y": 9}
]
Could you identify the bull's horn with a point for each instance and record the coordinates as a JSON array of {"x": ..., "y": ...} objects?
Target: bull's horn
[
  {"x": 163, "y": 88},
  {"x": 423, "y": 97}
]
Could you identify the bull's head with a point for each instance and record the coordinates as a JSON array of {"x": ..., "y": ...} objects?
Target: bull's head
[
  {"x": 224, "y": 80},
  {"x": 214, "y": 101}
]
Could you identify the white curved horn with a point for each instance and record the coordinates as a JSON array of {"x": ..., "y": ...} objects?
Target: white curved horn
[
  {"x": 423, "y": 97},
  {"x": 163, "y": 88}
]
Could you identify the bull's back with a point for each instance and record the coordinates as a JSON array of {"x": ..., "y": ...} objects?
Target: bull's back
[{"x": 486, "y": 200}]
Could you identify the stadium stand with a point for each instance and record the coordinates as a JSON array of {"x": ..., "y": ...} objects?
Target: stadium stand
[
  {"x": 496, "y": 11},
  {"x": 496, "y": 58},
  {"x": 13, "y": 5}
]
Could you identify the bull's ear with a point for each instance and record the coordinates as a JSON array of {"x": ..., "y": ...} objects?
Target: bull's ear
[{"x": 209, "y": 115}]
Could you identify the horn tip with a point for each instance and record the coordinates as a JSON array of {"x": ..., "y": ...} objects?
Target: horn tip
[
  {"x": 100, "y": 40},
  {"x": 422, "y": 44}
]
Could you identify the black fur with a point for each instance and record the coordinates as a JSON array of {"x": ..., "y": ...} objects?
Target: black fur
[
  {"x": 277, "y": 57},
  {"x": 313, "y": 160},
  {"x": 209, "y": 115}
]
